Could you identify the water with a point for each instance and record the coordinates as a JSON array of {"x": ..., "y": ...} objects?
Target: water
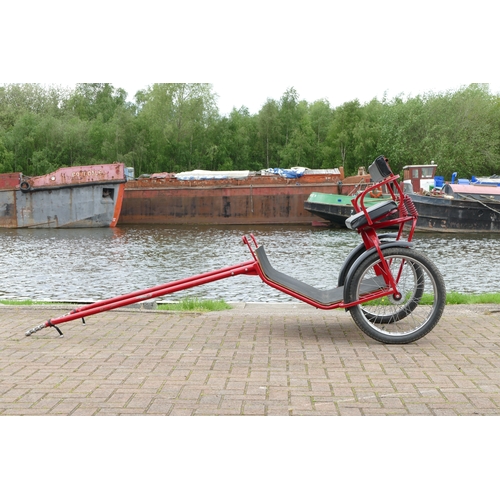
[{"x": 93, "y": 264}]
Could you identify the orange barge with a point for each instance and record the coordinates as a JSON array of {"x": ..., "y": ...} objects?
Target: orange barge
[{"x": 201, "y": 197}]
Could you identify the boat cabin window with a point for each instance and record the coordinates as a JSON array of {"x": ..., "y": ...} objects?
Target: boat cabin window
[
  {"x": 422, "y": 173},
  {"x": 108, "y": 193}
]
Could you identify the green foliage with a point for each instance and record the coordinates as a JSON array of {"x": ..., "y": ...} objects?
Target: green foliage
[
  {"x": 92, "y": 100},
  {"x": 320, "y": 117},
  {"x": 341, "y": 136},
  {"x": 460, "y": 131},
  {"x": 300, "y": 140},
  {"x": 195, "y": 305},
  {"x": 6, "y": 157},
  {"x": 269, "y": 134},
  {"x": 204, "y": 305},
  {"x": 483, "y": 298},
  {"x": 453, "y": 298},
  {"x": 30, "y": 302},
  {"x": 177, "y": 126},
  {"x": 176, "y": 118}
]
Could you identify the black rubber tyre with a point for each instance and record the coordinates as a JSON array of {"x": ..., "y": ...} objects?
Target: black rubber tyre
[{"x": 405, "y": 320}]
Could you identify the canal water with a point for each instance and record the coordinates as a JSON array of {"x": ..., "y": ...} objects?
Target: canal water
[{"x": 93, "y": 264}]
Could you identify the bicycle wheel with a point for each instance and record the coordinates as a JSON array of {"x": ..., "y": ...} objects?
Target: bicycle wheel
[
  {"x": 393, "y": 309},
  {"x": 404, "y": 319}
]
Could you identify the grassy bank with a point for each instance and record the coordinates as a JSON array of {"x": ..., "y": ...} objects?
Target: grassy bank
[
  {"x": 200, "y": 305},
  {"x": 462, "y": 298},
  {"x": 188, "y": 304},
  {"x": 29, "y": 302},
  {"x": 456, "y": 298}
]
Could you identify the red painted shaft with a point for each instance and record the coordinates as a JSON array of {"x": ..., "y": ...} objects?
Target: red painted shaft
[
  {"x": 161, "y": 287},
  {"x": 141, "y": 295},
  {"x": 248, "y": 267}
]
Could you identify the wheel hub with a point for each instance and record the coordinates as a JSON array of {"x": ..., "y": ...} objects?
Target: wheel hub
[{"x": 396, "y": 298}]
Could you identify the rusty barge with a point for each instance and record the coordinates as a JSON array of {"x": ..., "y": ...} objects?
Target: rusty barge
[
  {"x": 202, "y": 197},
  {"x": 84, "y": 196}
]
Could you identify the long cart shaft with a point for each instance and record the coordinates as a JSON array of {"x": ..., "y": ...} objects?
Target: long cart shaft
[{"x": 248, "y": 267}]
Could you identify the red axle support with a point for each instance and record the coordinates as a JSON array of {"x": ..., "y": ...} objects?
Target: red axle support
[{"x": 164, "y": 286}]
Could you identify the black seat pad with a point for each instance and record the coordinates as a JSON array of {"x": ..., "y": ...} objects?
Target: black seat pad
[{"x": 376, "y": 211}]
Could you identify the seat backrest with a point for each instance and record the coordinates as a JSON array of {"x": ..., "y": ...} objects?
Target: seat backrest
[{"x": 379, "y": 169}]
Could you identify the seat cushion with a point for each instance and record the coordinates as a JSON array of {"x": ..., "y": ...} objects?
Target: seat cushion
[{"x": 376, "y": 211}]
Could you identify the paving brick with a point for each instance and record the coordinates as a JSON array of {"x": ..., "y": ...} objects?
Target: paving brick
[{"x": 252, "y": 360}]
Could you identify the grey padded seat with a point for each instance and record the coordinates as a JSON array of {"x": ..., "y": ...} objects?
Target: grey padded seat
[{"x": 376, "y": 211}]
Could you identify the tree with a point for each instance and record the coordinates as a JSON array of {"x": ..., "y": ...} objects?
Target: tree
[
  {"x": 119, "y": 137},
  {"x": 20, "y": 98},
  {"x": 366, "y": 134},
  {"x": 176, "y": 126},
  {"x": 321, "y": 116},
  {"x": 467, "y": 134},
  {"x": 92, "y": 100},
  {"x": 341, "y": 134},
  {"x": 176, "y": 117},
  {"x": 459, "y": 130},
  {"x": 6, "y": 157},
  {"x": 299, "y": 147},
  {"x": 288, "y": 113},
  {"x": 404, "y": 131},
  {"x": 20, "y": 140},
  {"x": 269, "y": 133},
  {"x": 234, "y": 142}
]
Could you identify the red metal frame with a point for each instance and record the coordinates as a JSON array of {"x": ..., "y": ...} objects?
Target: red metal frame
[{"x": 407, "y": 213}]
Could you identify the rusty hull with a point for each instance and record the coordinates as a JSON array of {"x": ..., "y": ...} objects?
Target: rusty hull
[
  {"x": 86, "y": 196},
  {"x": 254, "y": 200}
]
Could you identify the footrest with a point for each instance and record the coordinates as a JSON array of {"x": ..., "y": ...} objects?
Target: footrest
[{"x": 376, "y": 212}]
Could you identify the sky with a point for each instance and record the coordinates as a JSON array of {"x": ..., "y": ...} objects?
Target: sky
[
  {"x": 339, "y": 51},
  {"x": 254, "y": 95}
]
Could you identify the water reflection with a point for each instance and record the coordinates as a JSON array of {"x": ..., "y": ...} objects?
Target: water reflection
[{"x": 91, "y": 264}]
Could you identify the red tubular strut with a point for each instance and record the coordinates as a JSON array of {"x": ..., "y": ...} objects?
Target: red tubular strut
[
  {"x": 248, "y": 267},
  {"x": 160, "y": 287}
]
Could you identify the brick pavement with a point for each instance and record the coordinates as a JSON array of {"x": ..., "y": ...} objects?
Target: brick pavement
[{"x": 287, "y": 359}]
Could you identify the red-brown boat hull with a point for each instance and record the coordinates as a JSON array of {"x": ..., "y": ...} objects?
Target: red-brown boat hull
[{"x": 252, "y": 200}]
